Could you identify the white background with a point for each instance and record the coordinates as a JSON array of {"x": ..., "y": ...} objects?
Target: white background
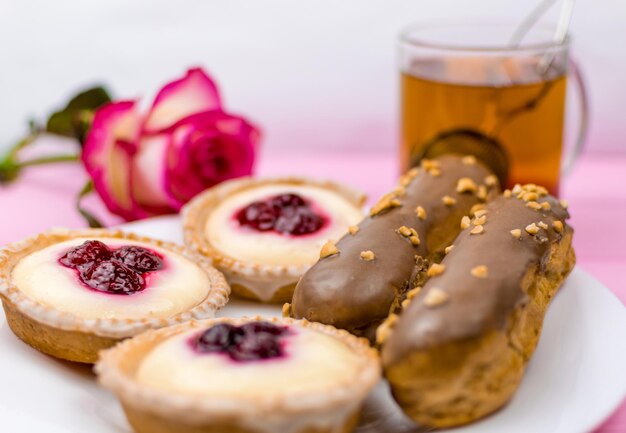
[{"x": 312, "y": 73}]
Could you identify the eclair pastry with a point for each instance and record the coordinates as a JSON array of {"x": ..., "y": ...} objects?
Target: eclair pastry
[
  {"x": 362, "y": 278},
  {"x": 459, "y": 348}
]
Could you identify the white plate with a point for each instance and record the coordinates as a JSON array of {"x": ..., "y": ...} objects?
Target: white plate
[{"x": 575, "y": 380}]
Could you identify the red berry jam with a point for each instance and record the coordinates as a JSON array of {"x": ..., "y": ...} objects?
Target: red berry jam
[
  {"x": 138, "y": 259},
  {"x": 249, "y": 342},
  {"x": 83, "y": 256},
  {"x": 113, "y": 277},
  {"x": 119, "y": 272},
  {"x": 288, "y": 214}
]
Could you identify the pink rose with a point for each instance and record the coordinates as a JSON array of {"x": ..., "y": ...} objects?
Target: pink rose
[{"x": 153, "y": 163}]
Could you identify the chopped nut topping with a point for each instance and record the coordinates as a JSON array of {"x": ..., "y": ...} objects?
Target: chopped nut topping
[
  {"x": 399, "y": 191},
  {"x": 480, "y": 221},
  {"x": 477, "y": 230},
  {"x": 368, "y": 255},
  {"x": 428, "y": 164},
  {"x": 542, "y": 191},
  {"x": 386, "y": 202},
  {"x": 546, "y": 205},
  {"x": 466, "y": 184},
  {"x": 407, "y": 177},
  {"x": 405, "y": 231},
  {"x": 448, "y": 249},
  {"x": 533, "y": 205},
  {"x": 532, "y": 229},
  {"x": 477, "y": 207},
  {"x": 413, "y": 292},
  {"x": 448, "y": 201},
  {"x": 542, "y": 225},
  {"x": 286, "y": 309},
  {"x": 432, "y": 167},
  {"x": 530, "y": 187},
  {"x": 516, "y": 189},
  {"x": 491, "y": 180},
  {"x": 420, "y": 212},
  {"x": 479, "y": 271},
  {"x": 530, "y": 196},
  {"x": 415, "y": 240},
  {"x": 384, "y": 330},
  {"x": 328, "y": 249},
  {"x": 353, "y": 230},
  {"x": 469, "y": 160},
  {"x": 482, "y": 192},
  {"x": 405, "y": 303},
  {"x": 413, "y": 172},
  {"x": 465, "y": 222},
  {"x": 517, "y": 233},
  {"x": 480, "y": 213},
  {"x": 507, "y": 193},
  {"x": 435, "y": 269},
  {"x": 558, "y": 226},
  {"x": 435, "y": 297},
  {"x": 564, "y": 203},
  {"x": 392, "y": 319}
]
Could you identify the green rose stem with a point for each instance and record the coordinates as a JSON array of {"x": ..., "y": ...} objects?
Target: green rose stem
[
  {"x": 73, "y": 121},
  {"x": 48, "y": 160},
  {"x": 93, "y": 222},
  {"x": 10, "y": 168}
]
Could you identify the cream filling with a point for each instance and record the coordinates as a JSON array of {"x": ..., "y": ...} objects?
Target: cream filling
[
  {"x": 271, "y": 248},
  {"x": 180, "y": 286},
  {"x": 314, "y": 362}
]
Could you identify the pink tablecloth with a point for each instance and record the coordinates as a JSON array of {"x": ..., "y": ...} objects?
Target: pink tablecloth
[{"x": 43, "y": 198}]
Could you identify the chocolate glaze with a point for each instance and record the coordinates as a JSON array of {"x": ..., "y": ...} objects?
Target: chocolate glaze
[
  {"x": 345, "y": 291},
  {"x": 475, "y": 305}
]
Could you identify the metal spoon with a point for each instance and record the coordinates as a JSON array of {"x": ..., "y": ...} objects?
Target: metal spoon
[{"x": 560, "y": 34}]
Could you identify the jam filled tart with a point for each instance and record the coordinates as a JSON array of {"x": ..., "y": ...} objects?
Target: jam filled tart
[
  {"x": 265, "y": 233},
  {"x": 241, "y": 375},
  {"x": 72, "y": 293}
]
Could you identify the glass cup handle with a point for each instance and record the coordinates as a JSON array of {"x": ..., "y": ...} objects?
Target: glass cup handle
[{"x": 583, "y": 126}]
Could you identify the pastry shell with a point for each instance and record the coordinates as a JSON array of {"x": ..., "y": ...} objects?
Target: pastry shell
[
  {"x": 150, "y": 411},
  {"x": 67, "y": 336},
  {"x": 256, "y": 281}
]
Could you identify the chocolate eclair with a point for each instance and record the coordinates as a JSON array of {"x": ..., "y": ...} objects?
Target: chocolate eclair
[
  {"x": 459, "y": 348},
  {"x": 362, "y": 278}
]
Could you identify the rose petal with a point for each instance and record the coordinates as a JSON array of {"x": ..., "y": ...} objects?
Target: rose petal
[
  {"x": 217, "y": 136},
  {"x": 177, "y": 158},
  {"x": 148, "y": 173},
  {"x": 194, "y": 93},
  {"x": 107, "y": 156}
]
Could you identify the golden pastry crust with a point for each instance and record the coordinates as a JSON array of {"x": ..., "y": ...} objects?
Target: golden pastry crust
[
  {"x": 281, "y": 295},
  {"x": 260, "y": 282},
  {"x": 454, "y": 361},
  {"x": 67, "y": 336},
  {"x": 153, "y": 411},
  {"x": 143, "y": 422},
  {"x": 74, "y": 346}
]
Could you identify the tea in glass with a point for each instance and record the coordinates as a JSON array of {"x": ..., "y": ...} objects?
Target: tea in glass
[{"x": 507, "y": 105}]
